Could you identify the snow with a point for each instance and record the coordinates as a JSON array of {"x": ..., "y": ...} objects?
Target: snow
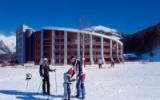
[
  {"x": 130, "y": 55},
  {"x": 3, "y": 48},
  {"x": 9, "y": 41},
  {"x": 100, "y": 27},
  {"x": 104, "y": 29},
  {"x": 128, "y": 81},
  {"x": 2, "y": 52}
]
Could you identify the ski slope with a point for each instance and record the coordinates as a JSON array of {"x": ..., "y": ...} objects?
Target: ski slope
[{"x": 128, "y": 81}]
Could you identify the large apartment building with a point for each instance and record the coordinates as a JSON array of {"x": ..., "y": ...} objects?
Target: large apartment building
[{"x": 58, "y": 44}]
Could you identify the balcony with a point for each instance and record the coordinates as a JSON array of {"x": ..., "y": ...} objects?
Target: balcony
[{"x": 106, "y": 56}]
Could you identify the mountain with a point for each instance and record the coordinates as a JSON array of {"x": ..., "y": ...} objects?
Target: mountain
[
  {"x": 7, "y": 43},
  {"x": 104, "y": 30},
  {"x": 3, "y": 48},
  {"x": 143, "y": 42},
  {"x": 7, "y": 48}
]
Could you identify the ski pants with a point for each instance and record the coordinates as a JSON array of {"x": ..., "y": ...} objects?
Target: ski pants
[
  {"x": 100, "y": 66},
  {"x": 67, "y": 90},
  {"x": 80, "y": 87},
  {"x": 46, "y": 85}
]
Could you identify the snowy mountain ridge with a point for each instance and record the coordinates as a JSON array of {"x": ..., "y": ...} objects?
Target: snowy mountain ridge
[
  {"x": 3, "y": 48},
  {"x": 103, "y": 30},
  {"x": 7, "y": 44}
]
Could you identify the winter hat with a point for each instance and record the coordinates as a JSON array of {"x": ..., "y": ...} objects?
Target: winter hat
[{"x": 45, "y": 59}]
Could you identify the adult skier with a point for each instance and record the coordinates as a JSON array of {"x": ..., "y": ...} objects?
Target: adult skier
[
  {"x": 80, "y": 77},
  {"x": 44, "y": 73}
]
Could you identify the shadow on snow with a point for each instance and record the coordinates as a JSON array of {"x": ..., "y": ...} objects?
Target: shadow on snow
[{"x": 28, "y": 95}]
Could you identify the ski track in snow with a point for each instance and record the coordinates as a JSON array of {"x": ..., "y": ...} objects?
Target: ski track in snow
[{"x": 128, "y": 81}]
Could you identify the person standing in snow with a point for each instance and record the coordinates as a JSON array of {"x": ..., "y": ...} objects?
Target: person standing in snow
[
  {"x": 44, "y": 73},
  {"x": 100, "y": 62},
  {"x": 80, "y": 77},
  {"x": 112, "y": 63},
  {"x": 68, "y": 79}
]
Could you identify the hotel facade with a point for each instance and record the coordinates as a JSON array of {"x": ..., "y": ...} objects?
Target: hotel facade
[{"x": 58, "y": 44}]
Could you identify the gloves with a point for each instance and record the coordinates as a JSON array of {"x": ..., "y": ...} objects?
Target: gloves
[
  {"x": 73, "y": 80},
  {"x": 54, "y": 70},
  {"x": 42, "y": 77}
]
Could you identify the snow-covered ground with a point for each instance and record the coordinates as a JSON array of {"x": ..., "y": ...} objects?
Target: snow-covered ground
[{"x": 129, "y": 81}]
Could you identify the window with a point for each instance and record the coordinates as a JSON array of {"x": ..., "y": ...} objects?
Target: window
[
  {"x": 86, "y": 46},
  {"x": 86, "y": 53}
]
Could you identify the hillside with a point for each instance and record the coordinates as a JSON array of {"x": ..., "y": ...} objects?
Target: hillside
[{"x": 143, "y": 41}]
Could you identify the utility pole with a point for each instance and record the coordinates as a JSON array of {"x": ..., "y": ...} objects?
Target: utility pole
[{"x": 82, "y": 25}]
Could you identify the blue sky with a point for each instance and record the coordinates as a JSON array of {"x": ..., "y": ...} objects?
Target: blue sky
[{"x": 124, "y": 15}]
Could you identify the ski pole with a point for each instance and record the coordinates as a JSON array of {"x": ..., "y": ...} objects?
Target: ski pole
[{"x": 39, "y": 86}]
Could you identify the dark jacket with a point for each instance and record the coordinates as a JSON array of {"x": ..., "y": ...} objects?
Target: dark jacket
[
  {"x": 44, "y": 70},
  {"x": 78, "y": 67}
]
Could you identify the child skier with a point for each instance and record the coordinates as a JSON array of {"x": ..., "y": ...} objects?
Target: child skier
[{"x": 68, "y": 79}]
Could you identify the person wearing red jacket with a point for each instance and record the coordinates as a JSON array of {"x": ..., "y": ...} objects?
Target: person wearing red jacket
[{"x": 68, "y": 79}]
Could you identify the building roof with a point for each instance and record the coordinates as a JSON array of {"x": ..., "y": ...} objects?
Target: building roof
[{"x": 23, "y": 28}]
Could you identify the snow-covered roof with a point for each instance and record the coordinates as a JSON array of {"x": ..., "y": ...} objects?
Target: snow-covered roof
[{"x": 115, "y": 38}]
